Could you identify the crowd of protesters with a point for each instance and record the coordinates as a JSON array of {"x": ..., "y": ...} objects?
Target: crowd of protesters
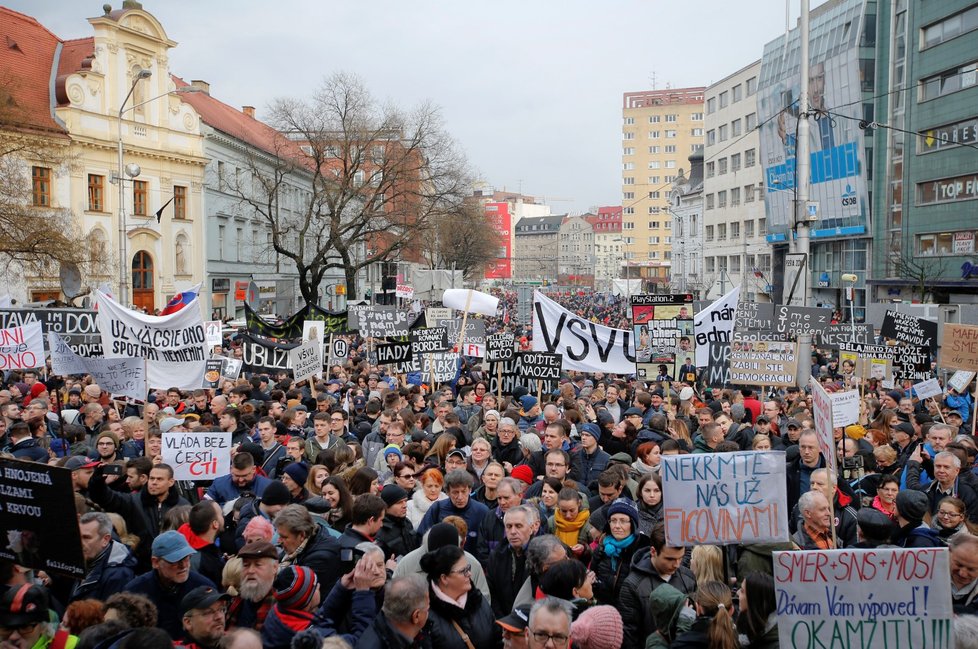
[{"x": 364, "y": 511}]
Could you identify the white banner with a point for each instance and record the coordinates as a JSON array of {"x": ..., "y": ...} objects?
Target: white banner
[
  {"x": 173, "y": 346},
  {"x": 22, "y": 348},
  {"x": 715, "y": 324},
  {"x": 476, "y": 301},
  {"x": 197, "y": 455},
  {"x": 306, "y": 360},
  {"x": 212, "y": 331},
  {"x": 64, "y": 360},
  {"x": 845, "y": 408},
  {"x": 927, "y": 389},
  {"x": 120, "y": 377},
  {"x": 584, "y": 345},
  {"x": 960, "y": 380},
  {"x": 721, "y": 498},
  {"x": 824, "y": 421},
  {"x": 404, "y": 291},
  {"x": 864, "y": 599}
]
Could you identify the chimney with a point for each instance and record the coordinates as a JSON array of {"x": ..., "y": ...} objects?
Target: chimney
[
  {"x": 249, "y": 111},
  {"x": 201, "y": 86}
]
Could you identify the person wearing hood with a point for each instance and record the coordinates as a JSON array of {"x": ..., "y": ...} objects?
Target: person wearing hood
[
  {"x": 913, "y": 532},
  {"x": 670, "y": 615},
  {"x": 109, "y": 564},
  {"x": 205, "y": 522},
  {"x": 621, "y": 541}
]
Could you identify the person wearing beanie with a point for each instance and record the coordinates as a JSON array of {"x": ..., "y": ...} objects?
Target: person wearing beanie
[
  {"x": 612, "y": 559},
  {"x": 506, "y": 447},
  {"x": 891, "y": 400},
  {"x": 912, "y": 507},
  {"x": 592, "y": 458},
  {"x": 106, "y": 447},
  {"x": 294, "y": 478},
  {"x": 530, "y": 413},
  {"x": 297, "y": 597},
  {"x": 396, "y": 535},
  {"x": 523, "y": 472},
  {"x": 271, "y": 502},
  {"x": 489, "y": 426},
  {"x": 599, "y": 627}
]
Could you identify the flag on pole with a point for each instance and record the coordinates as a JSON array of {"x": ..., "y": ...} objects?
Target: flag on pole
[
  {"x": 180, "y": 300},
  {"x": 159, "y": 212}
]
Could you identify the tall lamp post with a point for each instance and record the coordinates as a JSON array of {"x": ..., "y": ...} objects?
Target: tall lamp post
[
  {"x": 123, "y": 260},
  {"x": 850, "y": 279}
]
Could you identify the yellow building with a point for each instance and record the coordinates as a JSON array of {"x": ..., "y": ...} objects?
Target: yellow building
[
  {"x": 660, "y": 129},
  {"x": 86, "y": 83}
]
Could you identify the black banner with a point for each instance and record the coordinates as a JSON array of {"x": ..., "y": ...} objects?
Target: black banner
[
  {"x": 213, "y": 372},
  {"x": 909, "y": 329},
  {"x": 429, "y": 340},
  {"x": 718, "y": 369},
  {"x": 753, "y": 316},
  {"x": 526, "y": 368},
  {"x": 500, "y": 347},
  {"x": 843, "y": 333},
  {"x": 393, "y": 354},
  {"x": 37, "y": 518},
  {"x": 77, "y": 327},
  {"x": 793, "y": 321},
  {"x": 337, "y": 322},
  {"x": 911, "y": 363},
  {"x": 291, "y": 328},
  {"x": 262, "y": 355}
]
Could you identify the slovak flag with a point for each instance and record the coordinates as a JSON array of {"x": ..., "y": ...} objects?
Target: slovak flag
[{"x": 180, "y": 300}]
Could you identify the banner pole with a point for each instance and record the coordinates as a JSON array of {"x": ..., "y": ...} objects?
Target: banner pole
[
  {"x": 499, "y": 384},
  {"x": 465, "y": 317},
  {"x": 939, "y": 411},
  {"x": 540, "y": 393},
  {"x": 974, "y": 412},
  {"x": 431, "y": 366}
]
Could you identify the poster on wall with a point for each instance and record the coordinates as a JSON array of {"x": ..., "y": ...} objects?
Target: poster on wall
[{"x": 662, "y": 326}]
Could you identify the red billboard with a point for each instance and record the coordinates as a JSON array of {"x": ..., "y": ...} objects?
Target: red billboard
[{"x": 501, "y": 221}]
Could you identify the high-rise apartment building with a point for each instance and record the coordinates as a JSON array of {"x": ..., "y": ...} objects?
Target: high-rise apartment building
[{"x": 660, "y": 129}]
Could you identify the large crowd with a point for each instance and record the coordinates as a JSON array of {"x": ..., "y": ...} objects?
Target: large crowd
[{"x": 362, "y": 511}]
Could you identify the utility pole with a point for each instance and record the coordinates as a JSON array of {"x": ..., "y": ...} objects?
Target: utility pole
[{"x": 802, "y": 164}]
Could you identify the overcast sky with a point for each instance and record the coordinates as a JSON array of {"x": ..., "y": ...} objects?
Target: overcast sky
[{"x": 531, "y": 89}]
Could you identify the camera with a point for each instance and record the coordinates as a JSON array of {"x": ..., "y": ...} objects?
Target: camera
[
  {"x": 348, "y": 559},
  {"x": 854, "y": 463}
]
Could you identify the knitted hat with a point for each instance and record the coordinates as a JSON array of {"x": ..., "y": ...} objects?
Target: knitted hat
[
  {"x": 912, "y": 505},
  {"x": 592, "y": 430},
  {"x": 295, "y": 587},
  {"x": 527, "y": 402},
  {"x": 686, "y": 394},
  {"x": 896, "y": 395},
  {"x": 393, "y": 494},
  {"x": 599, "y": 627},
  {"x": 442, "y": 534},
  {"x": 298, "y": 471},
  {"x": 491, "y": 413},
  {"x": 855, "y": 431},
  {"x": 623, "y": 506},
  {"x": 393, "y": 448},
  {"x": 276, "y": 493},
  {"x": 524, "y": 473}
]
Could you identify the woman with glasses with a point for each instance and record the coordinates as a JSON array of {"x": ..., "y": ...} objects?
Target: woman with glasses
[
  {"x": 403, "y": 476},
  {"x": 950, "y": 518},
  {"x": 886, "y": 492},
  {"x": 459, "y": 617}
]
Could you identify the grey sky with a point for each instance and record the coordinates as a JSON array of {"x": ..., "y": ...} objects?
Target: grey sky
[{"x": 531, "y": 89}]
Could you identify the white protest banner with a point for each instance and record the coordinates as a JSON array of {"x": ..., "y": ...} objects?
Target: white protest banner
[
  {"x": 174, "y": 346},
  {"x": 824, "y": 421},
  {"x": 64, "y": 361},
  {"x": 476, "y": 301},
  {"x": 212, "y": 332},
  {"x": 433, "y": 314},
  {"x": 845, "y": 408},
  {"x": 404, "y": 291},
  {"x": 584, "y": 346},
  {"x": 715, "y": 324},
  {"x": 120, "y": 377},
  {"x": 306, "y": 360},
  {"x": 199, "y": 455},
  {"x": 927, "y": 389},
  {"x": 723, "y": 498},
  {"x": 863, "y": 599},
  {"x": 960, "y": 380},
  {"x": 22, "y": 348},
  {"x": 763, "y": 363}
]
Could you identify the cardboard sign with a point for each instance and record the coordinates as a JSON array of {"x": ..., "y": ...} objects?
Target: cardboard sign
[
  {"x": 960, "y": 380},
  {"x": 500, "y": 347},
  {"x": 928, "y": 389},
  {"x": 404, "y": 291},
  {"x": 64, "y": 361},
  {"x": 37, "y": 518},
  {"x": 866, "y": 361},
  {"x": 663, "y": 330},
  {"x": 475, "y": 331},
  {"x": 306, "y": 360},
  {"x": 959, "y": 347},
  {"x": 201, "y": 455},
  {"x": 77, "y": 327},
  {"x": 121, "y": 377},
  {"x": 231, "y": 369},
  {"x": 715, "y": 325},
  {"x": 718, "y": 369},
  {"x": 584, "y": 345},
  {"x": 212, "y": 373},
  {"x": 444, "y": 364},
  {"x": 379, "y": 321},
  {"x": 22, "y": 348},
  {"x": 822, "y": 412},
  {"x": 433, "y": 315},
  {"x": 763, "y": 363},
  {"x": 754, "y": 316},
  {"x": 393, "y": 354},
  {"x": 845, "y": 408},
  {"x": 794, "y": 321},
  {"x": 212, "y": 332},
  {"x": 844, "y": 333},
  {"x": 909, "y": 329},
  {"x": 864, "y": 599},
  {"x": 721, "y": 498}
]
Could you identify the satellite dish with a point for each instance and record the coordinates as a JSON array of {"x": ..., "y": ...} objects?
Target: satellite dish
[{"x": 70, "y": 280}]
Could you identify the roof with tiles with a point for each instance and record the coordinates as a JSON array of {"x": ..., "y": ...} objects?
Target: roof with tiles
[{"x": 27, "y": 54}]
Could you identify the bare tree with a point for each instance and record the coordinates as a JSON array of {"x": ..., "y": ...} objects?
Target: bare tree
[
  {"x": 376, "y": 181},
  {"x": 465, "y": 241},
  {"x": 921, "y": 271}
]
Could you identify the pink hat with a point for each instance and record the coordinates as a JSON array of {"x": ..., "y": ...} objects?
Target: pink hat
[{"x": 599, "y": 627}]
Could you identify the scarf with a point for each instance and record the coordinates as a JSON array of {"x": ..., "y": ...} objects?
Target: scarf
[
  {"x": 568, "y": 531},
  {"x": 613, "y": 547},
  {"x": 440, "y": 594}
]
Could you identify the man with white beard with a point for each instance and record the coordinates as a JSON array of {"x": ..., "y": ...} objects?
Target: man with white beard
[{"x": 255, "y": 595}]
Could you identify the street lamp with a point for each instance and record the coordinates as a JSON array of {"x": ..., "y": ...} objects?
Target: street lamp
[
  {"x": 851, "y": 279},
  {"x": 123, "y": 262}
]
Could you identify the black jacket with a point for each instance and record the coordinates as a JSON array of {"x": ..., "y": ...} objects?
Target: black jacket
[
  {"x": 607, "y": 586},
  {"x": 476, "y": 619},
  {"x": 962, "y": 489},
  {"x": 397, "y": 536},
  {"x": 793, "y": 478},
  {"x": 381, "y": 635},
  {"x": 322, "y": 555},
  {"x": 28, "y": 449},
  {"x": 506, "y": 573},
  {"x": 511, "y": 452}
]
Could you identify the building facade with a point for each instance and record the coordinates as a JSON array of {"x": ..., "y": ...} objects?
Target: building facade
[
  {"x": 686, "y": 210},
  {"x": 660, "y": 129},
  {"x": 609, "y": 249},
  {"x": 537, "y": 251},
  {"x": 575, "y": 264},
  {"x": 735, "y": 252}
]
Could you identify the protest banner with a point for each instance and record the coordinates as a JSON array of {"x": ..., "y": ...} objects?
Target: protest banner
[
  {"x": 22, "y": 347},
  {"x": 444, "y": 365},
  {"x": 334, "y": 322},
  {"x": 911, "y": 363},
  {"x": 928, "y": 389},
  {"x": 662, "y": 326},
  {"x": 959, "y": 347},
  {"x": 174, "y": 346},
  {"x": 306, "y": 360},
  {"x": 120, "y": 377},
  {"x": 845, "y": 333},
  {"x": 584, "y": 346},
  {"x": 845, "y": 408},
  {"x": 543, "y": 366},
  {"x": 960, "y": 380},
  {"x": 436, "y": 314},
  {"x": 470, "y": 301},
  {"x": 393, "y": 354},
  {"x": 763, "y": 363},
  {"x": 64, "y": 360},
  {"x": 287, "y": 329},
  {"x": 715, "y": 325},
  {"x": 212, "y": 332},
  {"x": 212, "y": 372},
  {"x": 718, "y": 369},
  {"x": 404, "y": 291},
  {"x": 864, "y": 598},
  {"x": 429, "y": 340},
  {"x": 822, "y": 409},
  {"x": 527, "y": 369},
  {"x": 909, "y": 329},
  {"x": 754, "y": 316},
  {"x": 339, "y": 350},
  {"x": 231, "y": 369},
  {"x": 37, "y": 518},
  {"x": 720, "y": 498},
  {"x": 866, "y": 361},
  {"x": 475, "y": 331},
  {"x": 77, "y": 327},
  {"x": 198, "y": 455},
  {"x": 380, "y": 321},
  {"x": 794, "y": 321},
  {"x": 261, "y": 355},
  {"x": 500, "y": 347}
]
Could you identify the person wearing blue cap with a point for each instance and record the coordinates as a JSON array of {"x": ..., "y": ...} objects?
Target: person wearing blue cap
[
  {"x": 529, "y": 412},
  {"x": 593, "y": 460},
  {"x": 170, "y": 580}
]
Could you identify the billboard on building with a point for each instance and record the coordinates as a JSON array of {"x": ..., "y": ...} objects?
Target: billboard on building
[
  {"x": 501, "y": 221},
  {"x": 837, "y": 150}
]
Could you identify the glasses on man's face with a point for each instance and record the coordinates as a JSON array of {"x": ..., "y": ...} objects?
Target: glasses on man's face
[
  {"x": 23, "y": 631},
  {"x": 555, "y": 465},
  {"x": 336, "y": 420},
  {"x": 220, "y": 611},
  {"x": 542, "y": 637}
]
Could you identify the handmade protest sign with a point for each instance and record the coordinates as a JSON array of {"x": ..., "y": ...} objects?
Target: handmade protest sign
[
  {"x": 763, "y": 363},
  {"x": 960, "y": 380},
  {"x": 909, "y": 329},
  {"x": 663, "y": 330},
  {"x": 845, "y": 333},
  {"x": 121, "y": 377},
  {"x": 22, "y": 347},
  {"x": 866, "y": 361},
  {"x": 174, "y": 346},
  {"x": 316, "y": 330},
  {"x": 723, "y": 498},
  {"x": 715, "y": 324},
  {"x": 436, "y": 314},
  {"x": 542, "y": 366},
  {"x": 77, "y": 327},
  {"x": 910, "y": 363},
  {"x": 404, "y": 291},
  {"x": 475, "y": 330},
  {"x": 212, "y": 372},
  {"x": 429, "y": 340},
  {"x": 339, "y": 350},
  {"x": 306, "y": 360},
  {"x": 261, "y": 355},
  {"x": 500, "y": 347},
  {"x": 822, "y": 408},
  {"x": 928, "y": 389},
  {"x": 378, "y": 321},
  {"x": 718, "y": 369},
  {"x": 212, "y": 332},
  {"x": 198, "y": 455},
  {"x": 445, "y": 366},
  {"x": 393, "y": 354},
  {"x": 756, "y": 316},
  {"x": 959, "y": 347},
  {"x": 584, "y": 346},
  {"x": 794, "y": 321},
  {"x": 231, "y": 369},
  {"x": 64, "y": 361},
  {"x": 845, "y": 408},
  {"x": 863, "y": 599},
  {"x": 525, "y": 369}
]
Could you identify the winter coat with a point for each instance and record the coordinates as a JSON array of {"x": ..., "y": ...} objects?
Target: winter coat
[
  {"x": 410, "y": 564},
  {"x": 28, "y": 449},
  {"x": 641, "y": 582},
  {"x": 845, "y": 520},
  {"x": 492, "y": 533},
  {"x": 512, "y": 452},
  {"x": 607, "y": 585},
  {"x": 592, "y": 465},
  {"x": 758, "y": 557},
  {"x": 209, "y": 560},
  {"x": 473, "y": 513},
  {"x": 110, "y": 572},
  {"x": 917, "y": 536},
  {"x": 381, "y": 635},
  {"x": 322, "y": 555},
  {"x": 397, "y": 536},
  {"x": 476, "y": 620},
  {"x": 507, "y": 572},
  {"x": 696, "y": 637},
  {"x": 962, "y": 489},
  {"x": 419, "y": 505},
  {"x": 169, "y": 614},
  {"x": 648, "y": 517},
  {"x": 665, "y": 603},
  {"x": 223, "y": 490},
  {"x": 768, "y": 639},
  {"x": 273, "y": 457},
  {"x": 282, "y": 625}
]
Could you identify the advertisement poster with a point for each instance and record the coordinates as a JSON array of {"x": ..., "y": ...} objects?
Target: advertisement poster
[{"x": 662, "y": 326}]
